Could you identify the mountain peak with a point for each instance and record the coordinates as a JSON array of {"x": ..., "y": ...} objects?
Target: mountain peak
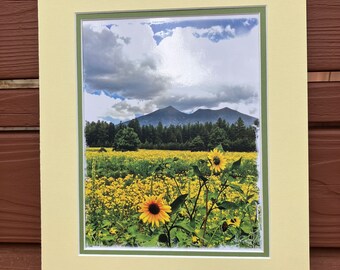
[
  {"x": 169, "y": 108},
  {"x": 171, "y": 116}
]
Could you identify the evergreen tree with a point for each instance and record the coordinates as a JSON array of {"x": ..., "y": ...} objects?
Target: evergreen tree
[
  {"x": 134, "y": 124},
  {"x": 112, "y": 133},
  {"x": 197, "y": 144},
  {"x": 90, "y": 134},
  {"x": 235, "y": 137},
  {"x": 126, "y": 140},
  {"x": 217, "y": 137}
]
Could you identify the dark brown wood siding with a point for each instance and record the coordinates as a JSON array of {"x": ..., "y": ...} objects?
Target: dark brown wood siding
[
  {"x": 19, "y": 148},
  {"x": 19, "y": 187},
  {"x": 19, "y": 108},
  {"x": 323, "y": 28},
  {"x": 323, "y": 35},
  {"x": 324, "y": 164},
  {"x": 18, "y": 39}
]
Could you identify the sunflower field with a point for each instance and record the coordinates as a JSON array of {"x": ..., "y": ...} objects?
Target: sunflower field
[{"x": 163, "y": 198}]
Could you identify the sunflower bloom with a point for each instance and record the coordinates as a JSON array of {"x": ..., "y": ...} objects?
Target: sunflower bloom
[
  {"x": 154, "y": 210},
  {"x": 234, "y": 222},
  {"x": 217, "y": 161}
]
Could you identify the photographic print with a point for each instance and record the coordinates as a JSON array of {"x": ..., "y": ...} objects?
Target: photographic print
[{"x": 172, "y": 130}]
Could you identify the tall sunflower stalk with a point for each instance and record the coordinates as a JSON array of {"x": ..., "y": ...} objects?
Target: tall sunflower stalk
[
  {"x": 155, "y": 211},
  {"x": 217, "y": 163}
]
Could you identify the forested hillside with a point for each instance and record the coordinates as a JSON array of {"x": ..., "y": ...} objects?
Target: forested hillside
[{"x": 196, "y": 137}]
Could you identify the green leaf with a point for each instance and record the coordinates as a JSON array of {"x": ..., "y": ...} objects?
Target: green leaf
[
  {"x": 199, "y": 174},
  {"x": 157, "y": 168},
  {"x": 193, "y": 223},
  {"x": 184, "y": 226},
  {"x": 152, "y": 242},
  {"x": 246, "y": 227},
  {"x": 226, "y": 205},
  {"x": 177, "y": 203},
  {"x": 163, "y": 238},
  {"x": 106, "y": 223},
  {"x": 219, "y": 148},
  {"x": 236, "y": 164},
  {"x": 243, "y": 180},
  {"x": 237, "y": 188},
  {"x": 224, "y": 179},
  {"x": 233, "y": 230},
  {"x": 133, "y": 229},
  {"x": 107, "y": 238},
  {"x": 181, "y": 236},
  {"x": 200, "y": 235}
]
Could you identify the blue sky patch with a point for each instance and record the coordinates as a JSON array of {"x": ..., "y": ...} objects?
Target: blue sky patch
[
  {"x": 213, "y": 29},
  {"x": 105, "y": 92},
  {"x": 111, "y": 119}
]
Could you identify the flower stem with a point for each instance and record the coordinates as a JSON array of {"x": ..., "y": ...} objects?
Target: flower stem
[
  {"x": 206, "y": 210},
  {"x": 212, "y": 205},
  {"x": 195, "y": 204},
  {"x": 168, "y": 235}
]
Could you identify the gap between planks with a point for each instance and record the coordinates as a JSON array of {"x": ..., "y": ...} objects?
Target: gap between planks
[
  {"x": 324, "y": 76},
  {"x": 19, "y": 84},
  {"x": 19, "y": 129}
]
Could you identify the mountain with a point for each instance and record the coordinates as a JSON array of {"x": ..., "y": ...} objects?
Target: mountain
[{"x": 171, "y": 116}]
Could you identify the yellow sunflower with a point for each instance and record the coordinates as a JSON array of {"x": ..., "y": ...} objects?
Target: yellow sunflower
[
  {"x": 154, "y": 210},
  {"x": 217, "y": 162},
  {"x": 234, "y": 222}
]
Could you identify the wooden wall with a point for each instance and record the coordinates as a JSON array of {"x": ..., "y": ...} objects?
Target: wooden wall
[
  {"x": 324, "y": 132},
  {"x": 19, "y": 135}
]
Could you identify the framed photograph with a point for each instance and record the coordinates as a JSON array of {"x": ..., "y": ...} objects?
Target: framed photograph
[
  {"x": 173, "y": 150},
  {"x": 174, "y": 135}
]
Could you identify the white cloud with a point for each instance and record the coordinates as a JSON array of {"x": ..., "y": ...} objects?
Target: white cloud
[
  {"x": 214, "y": 75},
  {"x": 97, "y": 107}
]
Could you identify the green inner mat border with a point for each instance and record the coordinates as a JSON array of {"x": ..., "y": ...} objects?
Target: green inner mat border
[{"x": 261, "y": 10}]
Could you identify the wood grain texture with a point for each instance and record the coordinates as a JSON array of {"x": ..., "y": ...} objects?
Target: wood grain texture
[
  {"x": 20, "y": 257},
  {"x": 18, "y": 39},
  {"x": 325, "y": 258},
  {"x": 19, "y": 108},
  {"x": 324, "y": 170},
  {"x": 324, "y": 103},
  {"x": 323, "y": 35},
  {"x": 19, "y": 187}
]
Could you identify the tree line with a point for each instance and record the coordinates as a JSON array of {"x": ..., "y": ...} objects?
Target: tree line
[{"x": 195, "y": 137}]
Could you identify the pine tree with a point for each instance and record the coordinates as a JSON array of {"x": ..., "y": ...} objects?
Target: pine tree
[{"x": 126, "y": 140}]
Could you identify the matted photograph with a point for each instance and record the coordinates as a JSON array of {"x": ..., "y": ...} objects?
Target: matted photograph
[{"x": 172, "y": 132}]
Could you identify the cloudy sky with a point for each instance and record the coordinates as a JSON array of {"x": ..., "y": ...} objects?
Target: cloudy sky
[{"x": 136, "y": 66}]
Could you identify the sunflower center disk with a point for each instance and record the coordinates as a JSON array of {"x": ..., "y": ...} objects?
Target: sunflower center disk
[
  {"x": 216, "y": 160},
  {"x": 154, "y": 209}
]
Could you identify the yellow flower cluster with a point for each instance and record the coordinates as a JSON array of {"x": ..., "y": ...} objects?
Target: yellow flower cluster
[
  {"x": 144, "y": 154},
  {"x": 122, "y": 198},
  {"x": 116, "y": 198}
]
